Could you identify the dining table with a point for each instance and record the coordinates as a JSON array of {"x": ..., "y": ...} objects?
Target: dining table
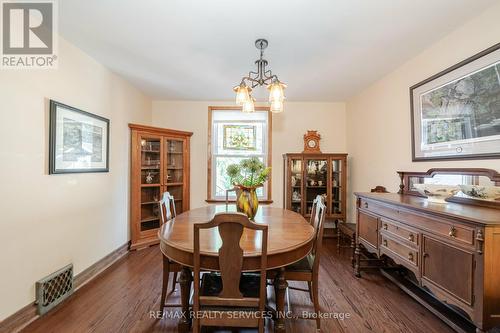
[{"x": 290, "y": 238}]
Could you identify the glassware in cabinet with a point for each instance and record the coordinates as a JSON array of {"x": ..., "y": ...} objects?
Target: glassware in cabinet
[
  {"x": 296, "y": 185},
  {"x": 150, "y": 160},
  {"x": 316, "y": 181},
  {"x": 174, "y": 171},
  {"x": 337, "y": 190}
]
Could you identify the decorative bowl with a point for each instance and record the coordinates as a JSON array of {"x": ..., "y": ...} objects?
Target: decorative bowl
[
  {"x": 436, "y": 193},
  {"x": 489, "y": 193}
]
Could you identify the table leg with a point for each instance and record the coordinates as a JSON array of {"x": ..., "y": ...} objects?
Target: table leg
[
  {"x": 280, "y": 286},
  {"x": 185, "y": 280}
]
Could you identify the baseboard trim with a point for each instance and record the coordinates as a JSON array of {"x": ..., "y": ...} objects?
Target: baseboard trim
[{"x": 22, "y": 318}]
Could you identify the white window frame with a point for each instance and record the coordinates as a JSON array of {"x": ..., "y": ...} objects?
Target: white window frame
[{"x": 213, "y": 154}]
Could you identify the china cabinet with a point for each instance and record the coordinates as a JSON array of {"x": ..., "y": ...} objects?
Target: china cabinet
[
  {"x": 307, "y": 175},
  {"x": 160, "y": 163}
]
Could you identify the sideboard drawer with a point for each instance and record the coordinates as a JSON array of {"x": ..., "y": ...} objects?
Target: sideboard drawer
[
  {"x": 444, "y": 227},
  {"x": 452, "y": 231},
  {"x": 401, "y": 231},
  {"x": 406, "y": 255}
]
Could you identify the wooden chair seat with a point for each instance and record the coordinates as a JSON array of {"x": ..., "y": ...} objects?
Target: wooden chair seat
[
  {"x": 349, "y": 229},
  {"x": 303, "y": 265}
]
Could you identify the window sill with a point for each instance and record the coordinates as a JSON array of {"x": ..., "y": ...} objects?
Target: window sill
[{"x": 264, "y": 202}]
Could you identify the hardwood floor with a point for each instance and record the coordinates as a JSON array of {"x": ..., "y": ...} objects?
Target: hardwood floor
[{"x": 123, "y": 298}]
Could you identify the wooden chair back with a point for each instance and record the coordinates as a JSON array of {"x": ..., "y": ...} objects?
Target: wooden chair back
[
  {"x": 167, "y": 207},
  {"x": 230, "y": 227},
  {"x": 227, "y": 194},
  {"x": 318, "y": 214},
  {"x": 379, "y": 189}
]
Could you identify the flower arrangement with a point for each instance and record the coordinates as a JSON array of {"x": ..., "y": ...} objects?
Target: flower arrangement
[
  {"x": 247, "y": 176},
  {"x": 249, "y": 173}
]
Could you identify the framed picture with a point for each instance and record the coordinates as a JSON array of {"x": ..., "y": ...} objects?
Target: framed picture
[
  {"x": 456, "y": 113},
  {"x": 79, "y": 141}
]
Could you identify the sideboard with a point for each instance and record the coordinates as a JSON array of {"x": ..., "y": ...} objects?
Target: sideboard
[{"x": 450, "y": 254}]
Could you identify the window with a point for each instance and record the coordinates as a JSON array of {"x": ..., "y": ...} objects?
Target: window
[{"x": 233, "y": 136}]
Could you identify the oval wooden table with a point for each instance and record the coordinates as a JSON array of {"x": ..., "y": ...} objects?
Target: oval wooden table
[{"x": 290, "y": 239}]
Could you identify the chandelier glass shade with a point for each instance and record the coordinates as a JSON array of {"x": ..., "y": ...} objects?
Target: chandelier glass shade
[
  {"x": 276, "y": 106},
  {"x": 276, "y": 96},
  {"x": 248, "y": 105},
  {"x": 262, "y": 76},
  {"x": 242, "y": 94}
]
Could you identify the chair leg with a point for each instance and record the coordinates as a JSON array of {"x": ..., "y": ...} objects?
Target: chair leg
[
  {"x": 196, "y": 326},
  {"x": 316, "y": 302},
  {"x": 339, "y": 240},
  {"x": 164, "y": 288},
  {"x": 261, "y": 325},
  {"x": 309, "y": 285},
  {"x": 174, "y": 282}
]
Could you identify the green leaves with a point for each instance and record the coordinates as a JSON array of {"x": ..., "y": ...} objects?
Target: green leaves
[{"x": 250, "y": 172}]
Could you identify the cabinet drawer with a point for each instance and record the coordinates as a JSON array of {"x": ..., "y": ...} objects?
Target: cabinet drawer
[
  {"x": 401, "y": 231},
  {"x": 442, "y": 227},
  {"x": 406, "y": 255}
]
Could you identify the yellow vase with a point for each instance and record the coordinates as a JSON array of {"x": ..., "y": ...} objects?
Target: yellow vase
[{"x": 246, "y": 201}]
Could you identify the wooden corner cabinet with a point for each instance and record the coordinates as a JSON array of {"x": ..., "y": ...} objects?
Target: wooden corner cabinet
[
  {"x": 307, "y": 175},
  {"x": 160, "y": 162}
]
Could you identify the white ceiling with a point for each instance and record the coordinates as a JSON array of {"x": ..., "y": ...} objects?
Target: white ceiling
[{"x": 325, "y": 50}]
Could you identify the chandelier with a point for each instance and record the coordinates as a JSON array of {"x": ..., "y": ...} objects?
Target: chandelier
[{"x": 261, "y": 77}]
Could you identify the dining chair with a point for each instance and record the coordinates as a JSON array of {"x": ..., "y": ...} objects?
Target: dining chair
[
  {"x": 167, "y": 207},
  {"x": 307, "y": 269},
  {"x": 218, "y": 295},
  {"x": 167, "y": 212}
]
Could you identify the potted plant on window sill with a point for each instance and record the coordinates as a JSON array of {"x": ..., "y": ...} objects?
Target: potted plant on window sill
[{"x": 247, "y": 177}]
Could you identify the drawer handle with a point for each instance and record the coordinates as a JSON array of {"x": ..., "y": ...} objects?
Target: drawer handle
[
  {"x": 385, "y": 226},
  {"x": 410, "y": 256},
  {"x": 411, "y": 238},
  {"x": 366, "y": 204},
  {"x": 425, "y": 254},
  {"x": 385, "y": 242},
  {"x": 453, "y": 232}
]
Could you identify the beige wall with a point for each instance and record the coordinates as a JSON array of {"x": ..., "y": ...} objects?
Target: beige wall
[
  {"x": 378, "y": 119},
  {"x": 50, "y": 221},
  {"x": 288, "y": 129}
]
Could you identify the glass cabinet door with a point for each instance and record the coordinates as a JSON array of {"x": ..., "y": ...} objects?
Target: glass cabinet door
[
  {"x": 150, "y": 182},
  {"x": 337, "y": 185},
  {"x": 174, "y": 171},
  {"x": 296, "y": 185},
  {"x": 316, "y": 181}
]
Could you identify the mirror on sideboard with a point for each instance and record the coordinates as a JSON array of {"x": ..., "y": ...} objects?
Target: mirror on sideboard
[{"x": 467, "y": 185}]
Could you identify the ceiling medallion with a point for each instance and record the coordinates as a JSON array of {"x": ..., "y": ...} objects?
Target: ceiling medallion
[{"x": 261, "y": 77}]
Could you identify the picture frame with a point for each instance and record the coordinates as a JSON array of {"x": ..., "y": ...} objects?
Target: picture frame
[
  {"x": 78, "y": 140},
  {"x": 455, "y": 114}
]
